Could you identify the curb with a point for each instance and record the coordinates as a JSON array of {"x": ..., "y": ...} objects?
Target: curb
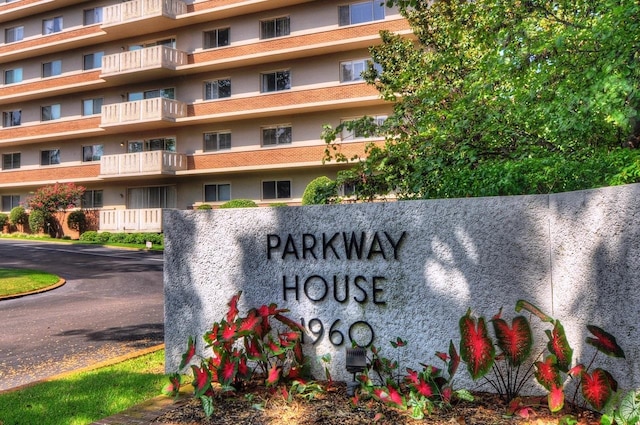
[{"x": 37, "y": 291}]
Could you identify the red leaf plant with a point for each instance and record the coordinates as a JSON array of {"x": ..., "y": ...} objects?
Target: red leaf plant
[
  {"x": 476, "y": 347},
  {"x": 244, "y": 348}
]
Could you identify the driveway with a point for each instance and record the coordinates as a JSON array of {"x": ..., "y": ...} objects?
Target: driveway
[{"x": 111, "y": 305}]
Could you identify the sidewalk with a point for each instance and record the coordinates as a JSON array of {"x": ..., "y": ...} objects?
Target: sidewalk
[{"x": 144, "y": 413}]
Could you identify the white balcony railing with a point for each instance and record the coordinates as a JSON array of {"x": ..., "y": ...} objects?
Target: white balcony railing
[
  {"x": 141, "y": 9},
  {"x": 157, "y": 108},
  {"x": 147, "y": 58},
  {"x": 149, "y": 162},
  {"x": 139, "y": 220}
]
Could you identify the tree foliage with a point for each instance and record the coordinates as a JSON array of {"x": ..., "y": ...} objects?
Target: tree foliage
[
  {"x": 487, "y": 85},
  {"x": 56, "y": 197}
]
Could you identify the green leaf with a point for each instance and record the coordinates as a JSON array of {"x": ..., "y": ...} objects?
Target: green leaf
[{"x": 207, "y": 405}]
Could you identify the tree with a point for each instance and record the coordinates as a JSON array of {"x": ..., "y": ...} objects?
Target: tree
[
  {"x": 56, "y": 197},
  {"x": 505, "y": 97}
]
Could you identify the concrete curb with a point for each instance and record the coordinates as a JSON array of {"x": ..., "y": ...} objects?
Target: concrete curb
[{"x": 37, "y": 291}]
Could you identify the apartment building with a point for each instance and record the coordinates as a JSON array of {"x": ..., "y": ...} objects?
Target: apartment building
[{"x": 154, "y": 104}]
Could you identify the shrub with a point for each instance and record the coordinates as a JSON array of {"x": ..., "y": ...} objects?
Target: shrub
[
  {"x": 118, "y": 237},
  {"x": 278, "y": 204},
  {"x": 77, "y": 220},
  {"x": 319, "y": 191},
  {"x": 103, "y": 237},
  {"x": 4, "y": 219},
  {"x": 89, "y": 236},
  {"x": 38, "y": 220},
  {"x": 204, "y": 207},
  {"x": 56, "y": 197},
  {"x": 239, "y": 203},
  {"x": 18, "y": 215}
]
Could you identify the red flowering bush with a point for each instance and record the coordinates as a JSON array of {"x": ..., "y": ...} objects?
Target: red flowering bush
[{"x": 56, "y": 197}]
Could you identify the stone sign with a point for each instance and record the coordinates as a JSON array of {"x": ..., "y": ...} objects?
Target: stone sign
[{"x": 369, "y": 273}]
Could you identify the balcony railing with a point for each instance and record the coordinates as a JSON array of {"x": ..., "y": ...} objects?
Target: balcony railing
[
  {"x": 140, "y": 220},
  {"x": 140, "y": 9},
  {"x": 138, "y": 163},
  {"x": 148, "y": 58},
  {"x": 154, "y": 109}
]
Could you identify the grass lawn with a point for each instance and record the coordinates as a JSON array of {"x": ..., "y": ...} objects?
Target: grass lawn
[
  {"x": 18, "y": 281},
  {"x": 86, "y": 397}
]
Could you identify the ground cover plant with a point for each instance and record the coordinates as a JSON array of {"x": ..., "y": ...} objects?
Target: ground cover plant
[
  {"x": 18, "y": 281},
  {"x": 86, "y": 397}
]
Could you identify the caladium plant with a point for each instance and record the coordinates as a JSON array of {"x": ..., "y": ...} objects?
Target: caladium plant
[{"x": 244, "y": 347}]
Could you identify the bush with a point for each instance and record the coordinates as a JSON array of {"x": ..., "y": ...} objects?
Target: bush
[
  {"x": 118, "y": 238},
  {"x": 319, "y": 191},
  {"x": 103, "y": 237},
  {"x": 89, "y": 236},
  {"x": 18, "y": 215},
  {"x": 278, "y": 204},
  {"x": 4, "y": 219},
  {"x": 239, "y": 203},
  {"x": 77, "y": 220},
  {"x": 204, "y": 207},
  {"x": 38, "y": 220}
]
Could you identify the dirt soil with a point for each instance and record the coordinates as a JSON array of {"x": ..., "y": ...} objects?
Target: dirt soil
[{"x": 334, "y": 408}]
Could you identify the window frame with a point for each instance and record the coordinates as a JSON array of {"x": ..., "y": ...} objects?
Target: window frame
[
  {"x": 217, "y": 141},
  {"x": 209, "y": 35},
  {"x": 281, "y": 27},
  {"x": 276, "y": 189},
  {"x": 265, "y": 85},
  {"x": 94, "y": 157},
  {"x": 17, "y": 34},
  {"x": 16, "y": 74},
  {"x": 52, "y": 154},
  {"x": 222, "y": 84},
  {"x": 379, "y": 119},
  {"x": 54, "y": 111},
  {"x": 146, "y": 144},
  {"x": 9, "y": 118},
  {"x": 94, "y": 102},
  {"x": 12, "y": 156},
  {"x": 216, "y": 187},
  {"x": 93, "y": 56},
  {"x": 55, "y": 68},
  {"x": 97, "y": 18},
  {"x": 95, "y": 194},
  {"x": 345, "y": 12},
  {"x": 11, "y": 201},
  {"x": 276, "y": 136},
  {"x": 57, "y": 25}
]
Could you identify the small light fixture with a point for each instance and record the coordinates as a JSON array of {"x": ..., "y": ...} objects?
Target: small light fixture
[
  {"x": 356, "y": 362},
  {"x": 122, "y": 144}
]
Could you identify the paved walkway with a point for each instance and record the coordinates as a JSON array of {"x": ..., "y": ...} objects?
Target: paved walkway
[{"x": 144, "y": 413}]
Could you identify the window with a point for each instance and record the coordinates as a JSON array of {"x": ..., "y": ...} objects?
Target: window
[
  {"x": 357, "y": 13},
  {"x": 91, "y": 199},
  {"x": 50, "y": 69},
  {"x": 276, "y": 189},
  {"x": 50, "y": 112},
  {"x": 276, "y": 81},
  {"x": 13, "y": 34},
  {"x": 168, "y": 93},
  {"x": 9, "y": 202},
  {"x": 352, "y": 70},
  {"x": 11, "y": 118},
  {"x": 151, "y": 197},
  {"x": 50, "y": 157},
  {"x": 217, "y": 192},
  {"x": 92, "y": 153},
  {"x": 11, "y": 161},
  {"x": 362, "y": 131},
  {"x": 93, "y": 16},
  {"x": 276, "y": 135},
  {"x": 51, "y": 26},
  {"x": 159, "y": 144},
  {"x": 277, "y": 27},
  {"x": 92, "y": 106},
  {"x": 217, "y": 141},
  {"x": 347, "y": 189},
  {"x": 216, "y": 38},
  {"x": 12, "y": 76},
  {"x": 217, "y": 89},
  {"x": 92, "y": 60}
]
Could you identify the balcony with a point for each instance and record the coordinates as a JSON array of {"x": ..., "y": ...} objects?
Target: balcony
[
  {"x": 147, "y": 111},
  {"x": 142, "y": 163},
  {"x": 140, "y": 220},
  {"x": 156, "y": 58},
  {"x": 125, "y": 18}
]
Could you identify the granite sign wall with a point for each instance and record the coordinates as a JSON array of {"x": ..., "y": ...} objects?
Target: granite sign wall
[{"x": 368, "y": 273}]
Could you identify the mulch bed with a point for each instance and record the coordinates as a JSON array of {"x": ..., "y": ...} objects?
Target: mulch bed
[{"x": 334, "y": 407}]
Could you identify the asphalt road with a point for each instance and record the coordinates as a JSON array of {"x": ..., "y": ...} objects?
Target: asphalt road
[{"x": 110, "y": 306}]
